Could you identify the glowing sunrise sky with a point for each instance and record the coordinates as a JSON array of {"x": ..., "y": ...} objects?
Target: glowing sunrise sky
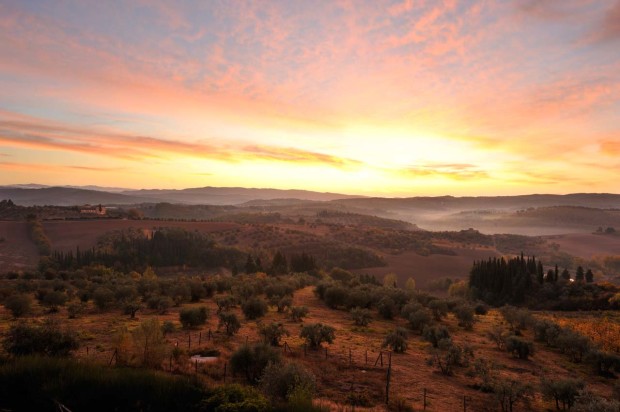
[{"x": 394, "y": 98}]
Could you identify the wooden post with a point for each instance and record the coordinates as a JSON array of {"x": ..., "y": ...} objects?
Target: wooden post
[
  {"x": 350, "y": 358},
  {"x": 246, "y": 340},
  {"x": 325, "y": 353},
  {"x": 113, "y": 357},
  {"x": 209, "y": 334},
  {"x": 199, "y": 338},
  {"x": 387, "y": 379},
  {"x": 424, "y": 398},
  {"x": 87, "y": 351},
  {"x": 189, "y": 340},
  {"x": 196, "y": 366},
  {"x": 366, "y": 358},
  {"x": 170, "y": 364}
]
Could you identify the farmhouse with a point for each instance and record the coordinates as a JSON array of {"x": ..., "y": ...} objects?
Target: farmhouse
[{"x": 93, "y": 210}]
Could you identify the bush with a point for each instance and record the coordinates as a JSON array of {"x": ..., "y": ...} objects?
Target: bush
[
  {"x": 336, "y": 296},
  {"x": 281, "y": 382},
  {"x": 193, "y": 317},
  {"x": 252, "y": 360},
  {"x": 225, "y": 303},
  {"x": 420, "y": 319},
  {"x": 54, "y": 299},
  {"x": 18, "y": 305},
  {"x": 76, "y": 309},
  {"x": 498, "y": 335},
  {"x": 167, "y": 327},
  {"x": 254, "y": 308},
  {"x": 465, "y": 315},
  {"x": 317, "y": 333},
  {"x": 236, "y": 398},
  {"x": 41, "y": 384},
  {"x": 517, "y": 318},
  {"x": 49, "y": 340},
  {"x": 573, "y": 344},
  {"x": 519, "y": 347},
  {"x": 562, "y": 390},
  {"x": 273, "y": 333},
  {"x": 297, "y": 313},
  {"x": 387, "y": 307},
  {"x": 361, "y": 317},
  {"x": 230, "y": 321},
  {"x": 103, "y": 298},
  {"x": 509, "y": 392},
  {"x": 396, "y": 340},
  {"x": 435, "y": 334},
  {"x": 439, "y": 307},
  {"x": 448, "y": 355}
]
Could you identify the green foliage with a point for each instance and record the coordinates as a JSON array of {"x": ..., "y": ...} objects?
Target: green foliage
[
  {"x": 287, "y": 381},
  {"x": 435, "y": 334},
  {"x": 564, "y": 391},
  {"x": 273, "y": 333},
  {"x": 387, "y": 307},
  {"x": 48, "y": 339},
  {"x": 225, "y": 303},
  {"x": 235, "y": 398},
  {"x": 465, "y": 315},
  {"x": 38, "y": 236},
  {"x": 498, "y": 335},
  {"x": 317, "y": 333},
  {"x": 448, "y": 355},
  {"x": 336, "y": 296},
  {"x": 18, "y": 304},
  {"x": 439, "y": 307},
  {"x": 420, "y": 319},
  {"x": 252, "y": 360},
  {"x": 254, "y": 308},
  {"x": 297, "y": 313},
  {"x": 193, "y": 317},
  {"x": 41, "y": 384},
  {"x": 103, "y": 298},
  {"x": 508, "y": 392},
  {"x": 519, "y": 347},
  {"x": 54, "y": 299},
  {"x": 149, "y": 343},
  {"x": 230, "y": 321},
  {"x": 396, "y": 340},
  {"x": 361, "y": 317},
  {"x": 517, "y": 318}
]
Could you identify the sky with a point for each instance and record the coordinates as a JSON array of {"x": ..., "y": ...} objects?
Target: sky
[{"x": 385, "y": 98}]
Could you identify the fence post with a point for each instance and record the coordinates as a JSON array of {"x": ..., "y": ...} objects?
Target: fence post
[
  {"x": 350, "y": 358},
  {"x": 196, "y": 367},
  {"x": 87, "y": 351},
  {"x": 209, "y": 334},
  {"x": 325, "y": 353},
  {"x": 170, "y": 364},
  {"x": 387, "y": 379},
  {"x": 189, "y": 340},
  {"x": 199, "y": 338},
  {"x": 366, "y": 357}
]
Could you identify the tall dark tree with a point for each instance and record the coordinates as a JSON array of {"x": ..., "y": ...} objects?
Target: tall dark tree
[
  {"x": 565, "y": 274},
  {"x": 589, "y": 276},
  {"x": 580, "y": 274}
]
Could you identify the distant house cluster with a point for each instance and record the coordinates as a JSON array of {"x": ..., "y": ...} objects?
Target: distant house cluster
[{"x": 93, "y": 210}]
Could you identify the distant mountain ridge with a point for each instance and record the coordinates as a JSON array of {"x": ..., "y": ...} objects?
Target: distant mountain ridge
[{"x": 32, "y": 194}]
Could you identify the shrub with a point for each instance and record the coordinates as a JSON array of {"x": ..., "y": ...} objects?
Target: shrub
[
  {"x": 447, "y": 355},
  {"x": 420, "y": 319},
  {"x": 387, "y": 307},
  {"x": 273, "y": 333},
  {"x": 519, "y": 347},
  {"x": 160, "y": 303},
  {"x": 54, "y": 299},
  {"x": 481, "y": 308},
  {"x": 103, "y": 298},
  {"x": 254, "y": 308},
  {"x": 149, "y": 343},
  {"x": 396, "y": 340},
  {"x": 465, "y": 315},
  {"x": 225, "y": 303},
  {"x": 252, "y": 360},
  {"x": 283, "y": 303},
  {"x": 18, "y": 305},
  {"x": 498, "y": 335},
  {"x": 336, "y": 296},
  {"x": 131, "y": 308},
  {"x": 297, "y": 313},
  {"x": 573, "y": 344},
  {"x": 508, "y": 392},
  {"x": 167, "y": 327},
  {"x": 236, "y": 398},
  {"x": 435, "y": 334},
  {"x": 317, "y": 333},
  {"x": 517, "y": 318},
  {"x": 281, "y": 381},
  {"x": 230, "y": 321},
  {"x": 439, "y": 307},
  {"x": 41, "y": 384},
  {"x": 361, "y": 317},
  {"x": 562, "y": 390},
  {"x": 76, "y": 309},
  {"x": 193, "y": 317},
  {"x": 49, "y": 340}
]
